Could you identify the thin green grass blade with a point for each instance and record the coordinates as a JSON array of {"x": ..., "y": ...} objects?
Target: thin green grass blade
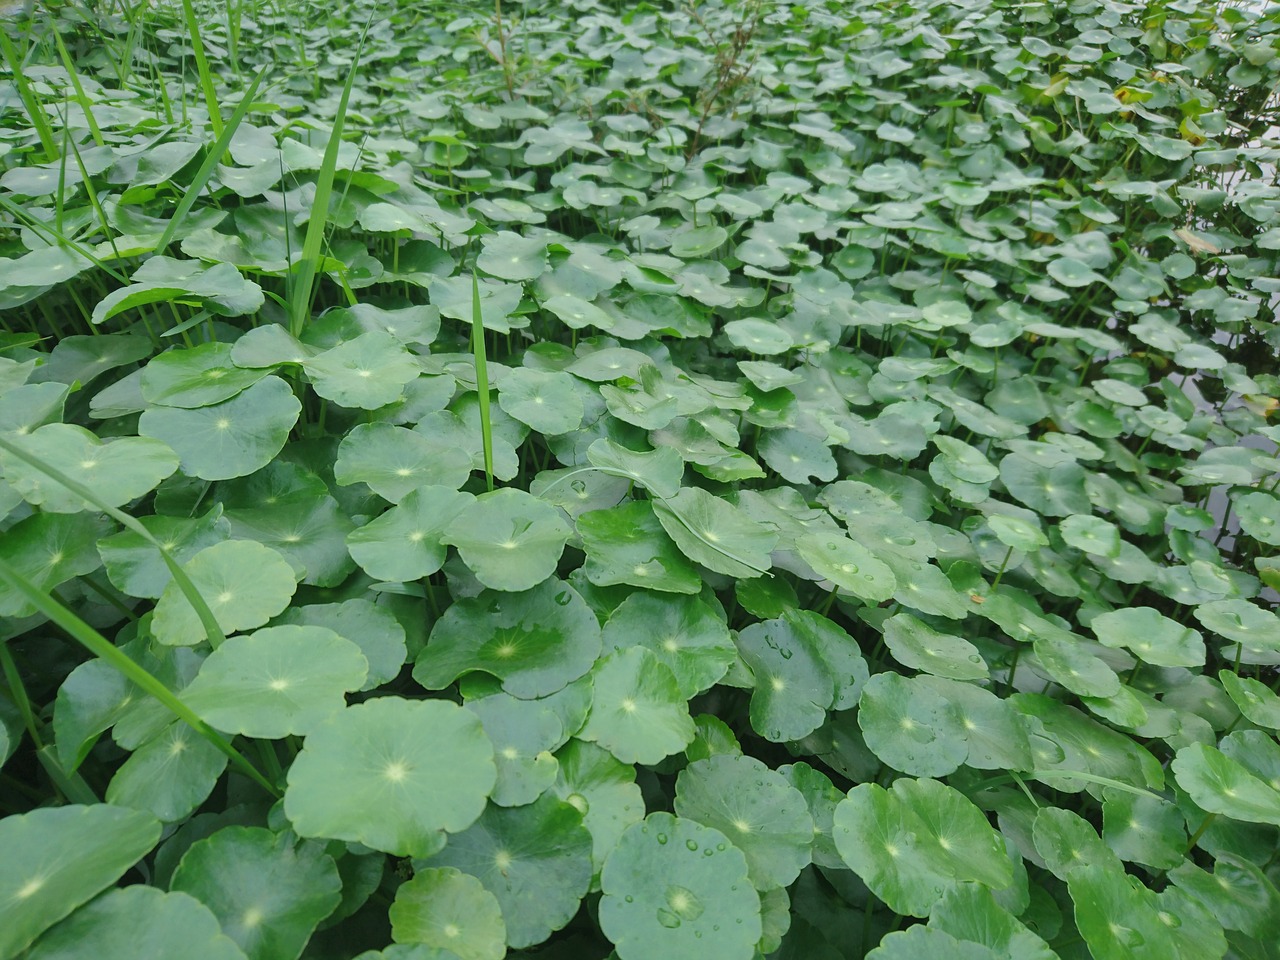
[
  {"x": 81, "y": 97},
  {"x": 304, "y": 279},
  {"x": 29, "y": 99},
  {"x": 1094, "y": 778},
  {"x": 482, "y": 379},
  {"x": 207, "y": 619},
  {"x": 210, "y": 164},
  {"x": 202, "y": 65},
  {"x": 104, "y": 649},
  {"x": 49, "y": 232}
]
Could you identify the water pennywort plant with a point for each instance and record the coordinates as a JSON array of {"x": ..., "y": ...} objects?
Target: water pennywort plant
[{"x": 733, "y": 480}]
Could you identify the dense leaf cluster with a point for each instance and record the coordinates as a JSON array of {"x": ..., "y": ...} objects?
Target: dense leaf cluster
[{"x": 658, "y": 481}]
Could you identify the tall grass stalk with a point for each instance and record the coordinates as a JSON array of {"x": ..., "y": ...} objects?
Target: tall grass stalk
[
  {"x": 482, "y": 379},
  {"x": 81, "y": 97},
  {"x": 210, "y": 164},
  {"x": 210, "y": 623},
  {"x": 301, "y": 289},
  {"x": 29, "y": 99},
  {"x": 104, "y": 649},
  {"x": 202, "y": 65}
]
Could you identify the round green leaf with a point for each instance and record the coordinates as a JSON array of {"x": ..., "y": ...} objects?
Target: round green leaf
[
  {"x": 535, "y": 859},
  {"x": 403, "y": 544},
  {"x": 509, "y": 539},
  {"x": 196, "y": 376},
  {"x": 536, "y": 642},
  {"x": 276, "y": 682},
  {"x": 715, "y": 534},
  {"x": 244, "y": 583},
  {"x": 1117, "y": 916},
  {"x": 913, "y": 843},
  {"x": 908, "y": 726},
  {"x": 658, "y": 471},
  {"x": 367, "y": 372},
  {"x": 1073, "y": 273},
  {"x": 803, "y": 665},
  {"x": 1219, "y": 784},
  {"x": 48, "y": 549},
  {"x": 603, "y": 789},
  {"x": 913, "y": 643},
  {"x": 391, "y": 774},
  {"x": 1051, "y": 491},
  {"x": 138, "y": 923},
  {"x": 970, "y": 913},
  {"x": 638, "y": 715},
  {"x": 117, "y": 471},
  {"x": 921, "y": 941},
  {"x": 765, "y": 816},
  {"x": 1150, "y": 636},
  {"x": 56, "y": 858},
  {"x": 394, "y": 461},
  {"x": 310, "y": 534},
  {"x": 691, "y": 242},
  {"x": 1092, "y": 535},
  {"x": 849, "y": 565},
  {"x": 449, "y": 909},
  {"x": 676, "y": 888},
  {"x": 1259, "y": 515},
  {"x": 229, "y": 439},
  {"x": 577, "y": 313},
  {"x": 758, "y": 337},
  {"x": 627, "y": 544},
  {"x": 1017, "y": 533},
  {"x": 372, "y": 628},
  {"x": 797, "y": 456},
  {"x": 545, "y": 400},
  {"x": 1144, "y": 829},
  {"x": 1254, "y": 698},
  {"x": 136, "y": 567},
  {"x": 170, "y": 775},
  {"x": 267, "y": 891},
  {"x": 512, "y": 257},
  {"x": 1239, "y": 621},
  {"x": 523, "y": 732},
  {"x": 1067, "y": 660},
  {"x": 683, "y": 632}
]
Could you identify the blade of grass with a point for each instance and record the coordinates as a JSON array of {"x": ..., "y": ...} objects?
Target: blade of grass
[
  {"x": 202, "y": 66},
  {"x": 207, "y": 619},
  {"x": 29, "y": 99},
  {"x": 48, "y": 232},
  {"x": 482, "y": 379},
  {"x": 304, "y": 280},
  {"x": 1094, "y": 778},
  {"x": 210, "y": 164},
  {"x": 81, "y": 97},
  {"x": 104, "y": 649}
]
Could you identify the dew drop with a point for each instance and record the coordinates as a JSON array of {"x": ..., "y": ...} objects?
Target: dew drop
[
  {"x": 629, "y": 898},
  {"x": 667, "y": 918},
  {"x": 662, "y": 838},
  {"x": 563, "y": 597}
]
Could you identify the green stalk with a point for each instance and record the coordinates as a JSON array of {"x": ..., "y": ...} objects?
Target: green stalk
[
  {"x": 104, "y": 649},
  {"x": 85, "y": 105},
  {"x": 210, "y": 164},
  {"x": 304, "y": 280},
  {"x": 45, "y": 231},
  {"x": 482, "y": 379},
  {"x": 207, "y": 619},
  {"x": 29, "y": 98},
  {"x": 202, "y": 64}
]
